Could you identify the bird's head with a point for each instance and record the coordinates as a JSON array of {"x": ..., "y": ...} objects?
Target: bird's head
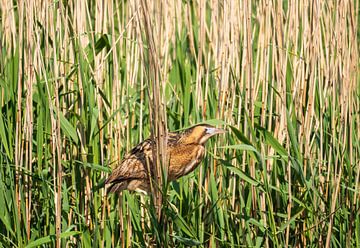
[{"x": 200, "y": 133}]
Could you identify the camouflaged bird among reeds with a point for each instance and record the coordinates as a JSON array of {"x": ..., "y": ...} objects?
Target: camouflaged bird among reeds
[{"x": 185, "y": 150}]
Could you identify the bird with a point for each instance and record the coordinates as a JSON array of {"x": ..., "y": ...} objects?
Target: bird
[{"x": 185, "y": 150}]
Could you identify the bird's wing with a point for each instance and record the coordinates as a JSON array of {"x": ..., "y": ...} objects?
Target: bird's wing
[{"x": 134, "y": 164}]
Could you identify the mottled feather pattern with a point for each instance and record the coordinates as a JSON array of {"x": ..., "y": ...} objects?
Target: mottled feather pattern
[
  {"x": 184, "y": 151},
  {"x": 133, "y": 166}
]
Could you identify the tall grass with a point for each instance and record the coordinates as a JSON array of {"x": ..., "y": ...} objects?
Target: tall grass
[{"x": 81, "y": 82}]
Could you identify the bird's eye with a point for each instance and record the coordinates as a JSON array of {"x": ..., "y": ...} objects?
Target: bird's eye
[{"x": 210, "y": 130}]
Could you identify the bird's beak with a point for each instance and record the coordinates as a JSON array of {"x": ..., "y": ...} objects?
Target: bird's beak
[{"x": 213, "y": 130}]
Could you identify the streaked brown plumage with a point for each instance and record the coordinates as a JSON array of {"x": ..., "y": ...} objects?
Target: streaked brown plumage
[{"x": 185, "y": 151}]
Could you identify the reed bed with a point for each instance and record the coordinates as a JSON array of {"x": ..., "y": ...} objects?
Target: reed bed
[{"x": 81, "y": 82}]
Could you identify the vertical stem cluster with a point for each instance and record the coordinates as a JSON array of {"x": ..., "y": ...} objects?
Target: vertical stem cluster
[{"x": 157, "y": 105}]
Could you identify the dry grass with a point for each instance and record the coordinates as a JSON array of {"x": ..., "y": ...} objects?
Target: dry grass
[{"x": 82, "y": 82}]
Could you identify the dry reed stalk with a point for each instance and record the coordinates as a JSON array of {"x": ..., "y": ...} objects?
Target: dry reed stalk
[
  {"x": 54, "y": 104},
  {"x": 18, "y": 128},
  {"x": 8, "y": 25},
  {"x": 157, "y": 105},
  {"x": 27, "y": 132},
  {"x": 199, "y": 57}
]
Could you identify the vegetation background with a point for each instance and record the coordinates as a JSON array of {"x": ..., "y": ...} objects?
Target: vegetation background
[{"x": 81, "y": 82}]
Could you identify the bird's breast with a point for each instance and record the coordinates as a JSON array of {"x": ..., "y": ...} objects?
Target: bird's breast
[{"x": 184, "y": 159}]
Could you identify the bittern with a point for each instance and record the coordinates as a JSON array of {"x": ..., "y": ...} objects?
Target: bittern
[{"x": 185, "y": 150}]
